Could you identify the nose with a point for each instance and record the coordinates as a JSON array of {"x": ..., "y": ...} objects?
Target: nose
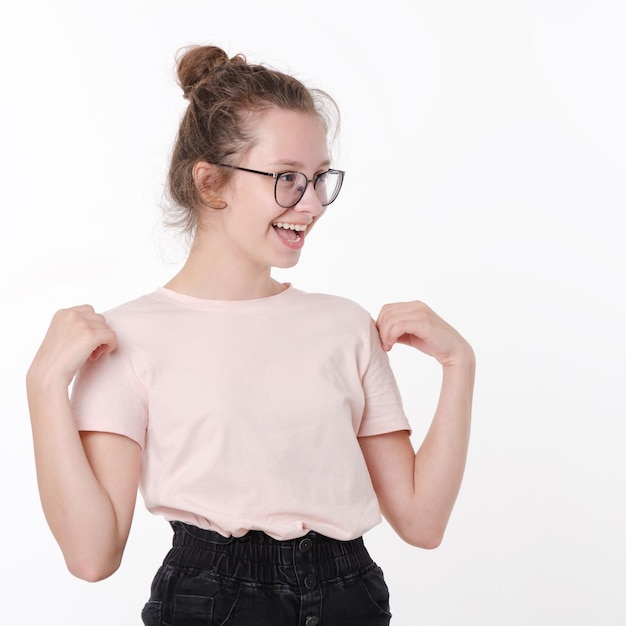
[{"x": 309, "y": 203}]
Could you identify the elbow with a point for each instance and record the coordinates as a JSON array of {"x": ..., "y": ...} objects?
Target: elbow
[
  {"x": 91, "y": 570},
  {"x": 427, "y": 542},
  {"x": 426, "y": 539},
  {"x": 91, "y": 559},
  {"x": 424, "y": 542}
]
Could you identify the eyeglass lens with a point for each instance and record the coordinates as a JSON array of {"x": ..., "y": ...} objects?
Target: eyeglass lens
[{"x": 291, "y": 186}]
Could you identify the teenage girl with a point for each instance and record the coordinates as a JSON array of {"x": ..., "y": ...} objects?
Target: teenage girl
[{"x": 263, "y": 422}]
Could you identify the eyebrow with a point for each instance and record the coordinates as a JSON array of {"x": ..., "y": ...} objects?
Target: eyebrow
[{"x": 290, "y": 163}]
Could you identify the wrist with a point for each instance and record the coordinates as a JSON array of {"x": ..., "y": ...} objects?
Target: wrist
[
  {"x": 462, "y": 359},
  {"x": 45, "y": 381}
]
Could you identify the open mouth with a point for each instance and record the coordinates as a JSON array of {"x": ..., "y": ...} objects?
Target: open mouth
[{"x": 289, "y": 232}]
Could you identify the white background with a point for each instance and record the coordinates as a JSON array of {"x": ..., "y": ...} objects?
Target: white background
[{"x": 484, "y": 144}]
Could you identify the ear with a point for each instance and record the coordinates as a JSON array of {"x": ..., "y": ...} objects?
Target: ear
[{"x": 209, "y": 183}]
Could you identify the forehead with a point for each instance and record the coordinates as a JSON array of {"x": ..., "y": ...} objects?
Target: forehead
[{"x": 281, "y": 136}]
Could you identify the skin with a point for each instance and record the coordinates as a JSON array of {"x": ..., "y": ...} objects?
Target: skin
[
  {"x": 235, "y": 248},
  {"x": 88, "y": 481}
]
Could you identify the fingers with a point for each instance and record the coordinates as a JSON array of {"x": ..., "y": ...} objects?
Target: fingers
[
  {"x": 417, "y": 325},
  {"x": 94, "y": 330},
  {"x": 103, "y": 348},
  {"x": 83, "y": 325},
  {"x": 398, "y": 322},
  {"x": 75, "y": 335}
]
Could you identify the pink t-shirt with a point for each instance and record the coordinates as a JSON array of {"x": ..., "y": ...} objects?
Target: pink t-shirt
[{"x": 247, "y": 412}]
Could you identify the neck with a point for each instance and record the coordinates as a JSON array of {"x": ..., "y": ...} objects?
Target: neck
[{"x": 211, "y": 275}]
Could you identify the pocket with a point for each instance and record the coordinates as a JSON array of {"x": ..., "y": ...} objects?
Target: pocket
[
  {"x": 192, "y": 610},
  {"x": 151, "y": 614},
  {"x": 375, "y": 590},
  {"x": 214, "y": 604}
]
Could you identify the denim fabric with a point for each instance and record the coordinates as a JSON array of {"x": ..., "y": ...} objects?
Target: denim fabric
[{"x": 207, "y": 579}]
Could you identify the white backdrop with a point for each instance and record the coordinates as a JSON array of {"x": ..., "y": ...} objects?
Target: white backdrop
[{"x": 484, "y": 148}]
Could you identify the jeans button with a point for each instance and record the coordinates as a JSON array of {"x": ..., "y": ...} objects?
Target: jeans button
[
  {"x": 312, "y": 621},
  {"x": 305, "y": 545},
  {"x": 310, "y": 581}
]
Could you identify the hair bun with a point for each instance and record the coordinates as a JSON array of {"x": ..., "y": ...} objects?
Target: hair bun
[{"x": 195, "y": 63}]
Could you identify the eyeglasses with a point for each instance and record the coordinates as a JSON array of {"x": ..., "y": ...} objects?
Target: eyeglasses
[{"x": 289, "y": 187}]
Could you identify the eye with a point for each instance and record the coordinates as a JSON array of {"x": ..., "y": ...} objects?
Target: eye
[
  {"x": 288, "y": 178},
  {"x": 322, "y": 180},
  {"x": 294, "y": 182}
]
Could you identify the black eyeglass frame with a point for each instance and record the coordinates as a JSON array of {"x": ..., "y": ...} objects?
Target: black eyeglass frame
[{"x": 277, "y": 175}]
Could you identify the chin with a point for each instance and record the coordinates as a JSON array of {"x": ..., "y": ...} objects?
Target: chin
[{"x": 286, "y": 263}]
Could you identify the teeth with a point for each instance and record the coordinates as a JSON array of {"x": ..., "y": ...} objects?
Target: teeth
[{"x": 296, "y": 227}]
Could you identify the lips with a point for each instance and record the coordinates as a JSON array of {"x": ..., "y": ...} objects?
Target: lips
[{"x": 290, "y": 233}]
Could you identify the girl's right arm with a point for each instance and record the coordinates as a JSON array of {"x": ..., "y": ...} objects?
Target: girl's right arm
[{"x": 87, "y": 481}]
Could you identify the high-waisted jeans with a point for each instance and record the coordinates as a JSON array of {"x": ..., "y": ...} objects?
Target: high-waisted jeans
[{"x": 207, "y": 579}]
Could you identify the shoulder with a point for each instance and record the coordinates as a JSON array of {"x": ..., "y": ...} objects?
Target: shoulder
[
  {"x": 329, "y": 302},
  {"x": 333, "y": 305},
  {"x": 335, "y": 316},
  {"x": 135, "y": 314}
]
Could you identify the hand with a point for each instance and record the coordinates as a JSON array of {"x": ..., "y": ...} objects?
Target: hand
[
  {"x": 415, "y": 324},
  {"x": 75, "y": 335}
]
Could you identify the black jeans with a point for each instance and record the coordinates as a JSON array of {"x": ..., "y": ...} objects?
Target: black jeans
[{"x": 207, "y": 579}]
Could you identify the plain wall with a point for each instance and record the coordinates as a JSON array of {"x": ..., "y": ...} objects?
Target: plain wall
[{"x": 484, "y": 148}]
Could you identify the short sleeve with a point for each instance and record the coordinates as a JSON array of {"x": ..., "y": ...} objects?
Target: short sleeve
[
  {"x": 107, "y": 396},
  {"x": 383, "y": 411}
]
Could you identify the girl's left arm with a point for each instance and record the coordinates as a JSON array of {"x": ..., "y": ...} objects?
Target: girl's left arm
[{"x": 417, "y": 491}]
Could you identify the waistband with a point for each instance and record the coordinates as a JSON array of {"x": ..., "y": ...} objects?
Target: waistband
[{"x": 258, "y": 556}]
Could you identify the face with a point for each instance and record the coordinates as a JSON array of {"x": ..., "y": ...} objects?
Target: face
[{"x": 254, "y": 226}]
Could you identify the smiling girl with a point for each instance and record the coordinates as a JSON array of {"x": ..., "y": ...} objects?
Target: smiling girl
[{"x": 264, "y": 423}]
